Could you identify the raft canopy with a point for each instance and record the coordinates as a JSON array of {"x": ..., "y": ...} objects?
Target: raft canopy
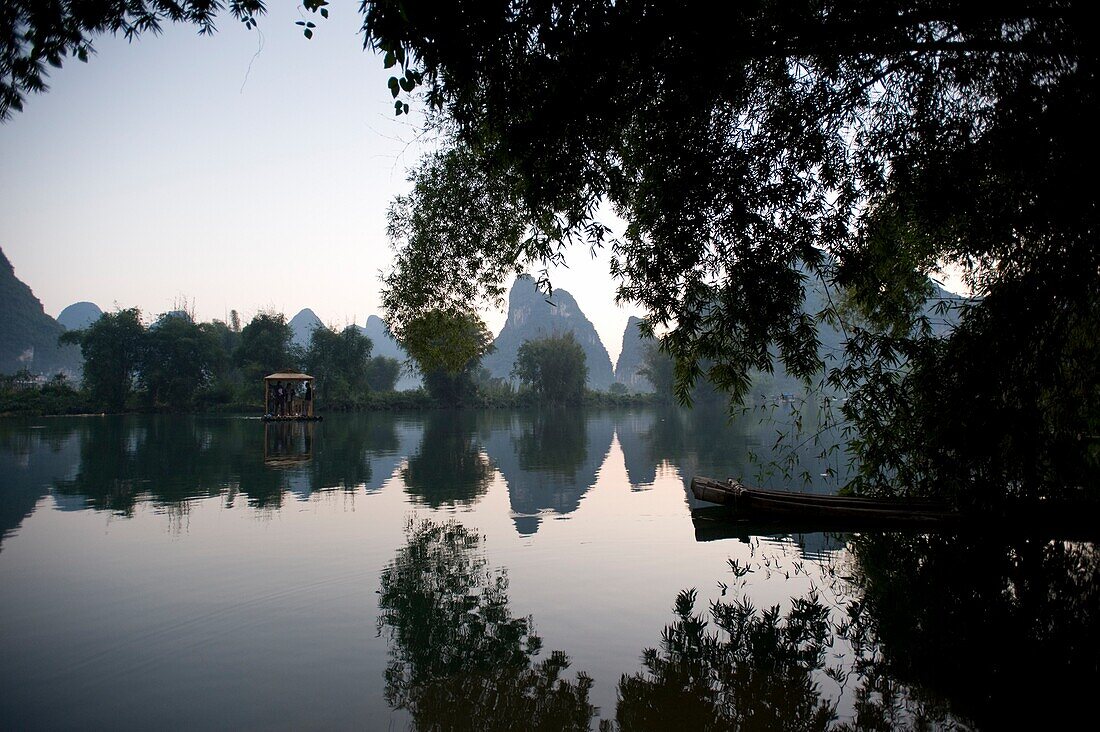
[
  {"x": 288, "y": 377},
  {"x": 288, "y": 406}
]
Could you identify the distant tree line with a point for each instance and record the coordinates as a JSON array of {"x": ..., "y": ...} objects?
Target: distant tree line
[{"x": 177, "y": 363}]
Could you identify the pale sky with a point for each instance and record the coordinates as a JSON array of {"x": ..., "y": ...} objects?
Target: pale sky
[{"x": 166, "y": 169}]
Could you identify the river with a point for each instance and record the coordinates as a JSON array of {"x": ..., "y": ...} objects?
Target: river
[{"x": 498, "y": 569}]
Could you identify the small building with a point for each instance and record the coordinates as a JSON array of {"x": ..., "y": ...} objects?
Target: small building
[{"x": 289, "y": 396}]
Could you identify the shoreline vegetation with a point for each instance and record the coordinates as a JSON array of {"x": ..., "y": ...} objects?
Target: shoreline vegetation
[
  {"x": 59, "y": 398},
  {"x": 177, "y": 365}
]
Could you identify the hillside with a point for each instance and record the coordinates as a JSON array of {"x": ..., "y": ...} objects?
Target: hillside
[
  {"x": 303, "y": 324},
  {"x": 28, "y": 337},
  {"x": 631, "y": 358},
  {"x": 386, "y": 346},
  {"x": 531, "y": 316},
  {"x": 79, "y": 315}
]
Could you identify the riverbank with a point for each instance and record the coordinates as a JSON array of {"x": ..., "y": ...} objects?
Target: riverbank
[{"x": 62, "y": 400}]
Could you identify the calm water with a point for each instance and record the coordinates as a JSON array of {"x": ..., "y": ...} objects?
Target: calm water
[{"x": 497, "y": 570}]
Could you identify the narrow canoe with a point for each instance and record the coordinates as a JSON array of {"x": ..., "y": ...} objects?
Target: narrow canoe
[{"x": 793, "y": 506}]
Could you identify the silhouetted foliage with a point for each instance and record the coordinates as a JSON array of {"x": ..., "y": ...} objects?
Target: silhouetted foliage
[
  {"x": 553, "y": 367},
  {"x": 265, "y": 347},
  {"x": 459, "y": 659},
  {"x": 180, "y": 357},
  {"x": 112, "y": 347},
  {"x": 447, "y": 347},
  {"x": 383, "y": 373},
  {"x": 339, "y": 362},
  {"x": 20, "y": 393},
  {"x": 658, "y": 368},
  {"x": 861, "y": 145},
  {"x": 34, "y": 33},
  {"x": 754, "y": 149}
]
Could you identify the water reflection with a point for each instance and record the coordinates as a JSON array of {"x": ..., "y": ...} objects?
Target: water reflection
[
  {"x": 549, "y": 458},
  {"x": 115, "y": 463},
  {"x": 450, "y": 466},
  {"x": 758, "y": 670},
  {"x": 287, "y": 444},
  {"x": 989, "y": 626},
  {"x": 459, "y": 658},
  {"x": 899, "y": 632},
  {"x": 909, "y": 632},
  {"x": 33, "y": 456},
  {"x": 920, "y": 631}
]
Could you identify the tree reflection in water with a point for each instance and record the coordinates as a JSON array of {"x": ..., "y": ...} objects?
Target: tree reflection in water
[
  {"x": 756, "y": 672},
  {"x": 459, "y": 659},
  {"x": 450, "y": 466},
  {"x": 993, "y": 628},
  {"x": 918, "y": 632}
]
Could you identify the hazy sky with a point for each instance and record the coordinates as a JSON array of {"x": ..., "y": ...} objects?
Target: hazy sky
[{"x": 167, "y": 169}]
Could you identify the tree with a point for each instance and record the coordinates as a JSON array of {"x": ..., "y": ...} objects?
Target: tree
[
  {"x": 383, "y": 373},
  {"x": 340, "y": 362},
  {"x": 112, "y": 348},
  {"x": 859, "y": 144},
  {"x": 447, "y": 347},
  {"x": 657, "y": 367},
  {"x": 35, "y": 33},
  {"x": 265, "y": 346},
  {"x": 554, "y": 367},
  {"x": 180, "y": 358}
]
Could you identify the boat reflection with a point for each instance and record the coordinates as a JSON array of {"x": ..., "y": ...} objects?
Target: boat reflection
[{"x": 288, "y": 444}]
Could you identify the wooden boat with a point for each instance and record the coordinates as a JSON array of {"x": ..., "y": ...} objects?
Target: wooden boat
[
  {"x": 791, "y": 507},
  {"x": 743, "y": 510}
]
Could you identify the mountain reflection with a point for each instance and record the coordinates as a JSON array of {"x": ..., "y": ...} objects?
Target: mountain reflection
[
  {"x": 706, "y": 441},
  {"x": 549, "y": 458},
  {"x": 32, "y": 458},
  {"x": 459, "y": 658}
]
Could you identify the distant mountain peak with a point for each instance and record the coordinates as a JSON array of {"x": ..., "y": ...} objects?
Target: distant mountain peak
[
  {"x": 385, "y": 346},
  {"x": 303, "y": 324},
  {"x": 79, "y": 315},
  {"x": 632, "y": 357},
  {"x": 533, "y": 314}
]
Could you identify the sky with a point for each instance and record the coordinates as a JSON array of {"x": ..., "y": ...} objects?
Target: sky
[{"x": 248, "y": 170}]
